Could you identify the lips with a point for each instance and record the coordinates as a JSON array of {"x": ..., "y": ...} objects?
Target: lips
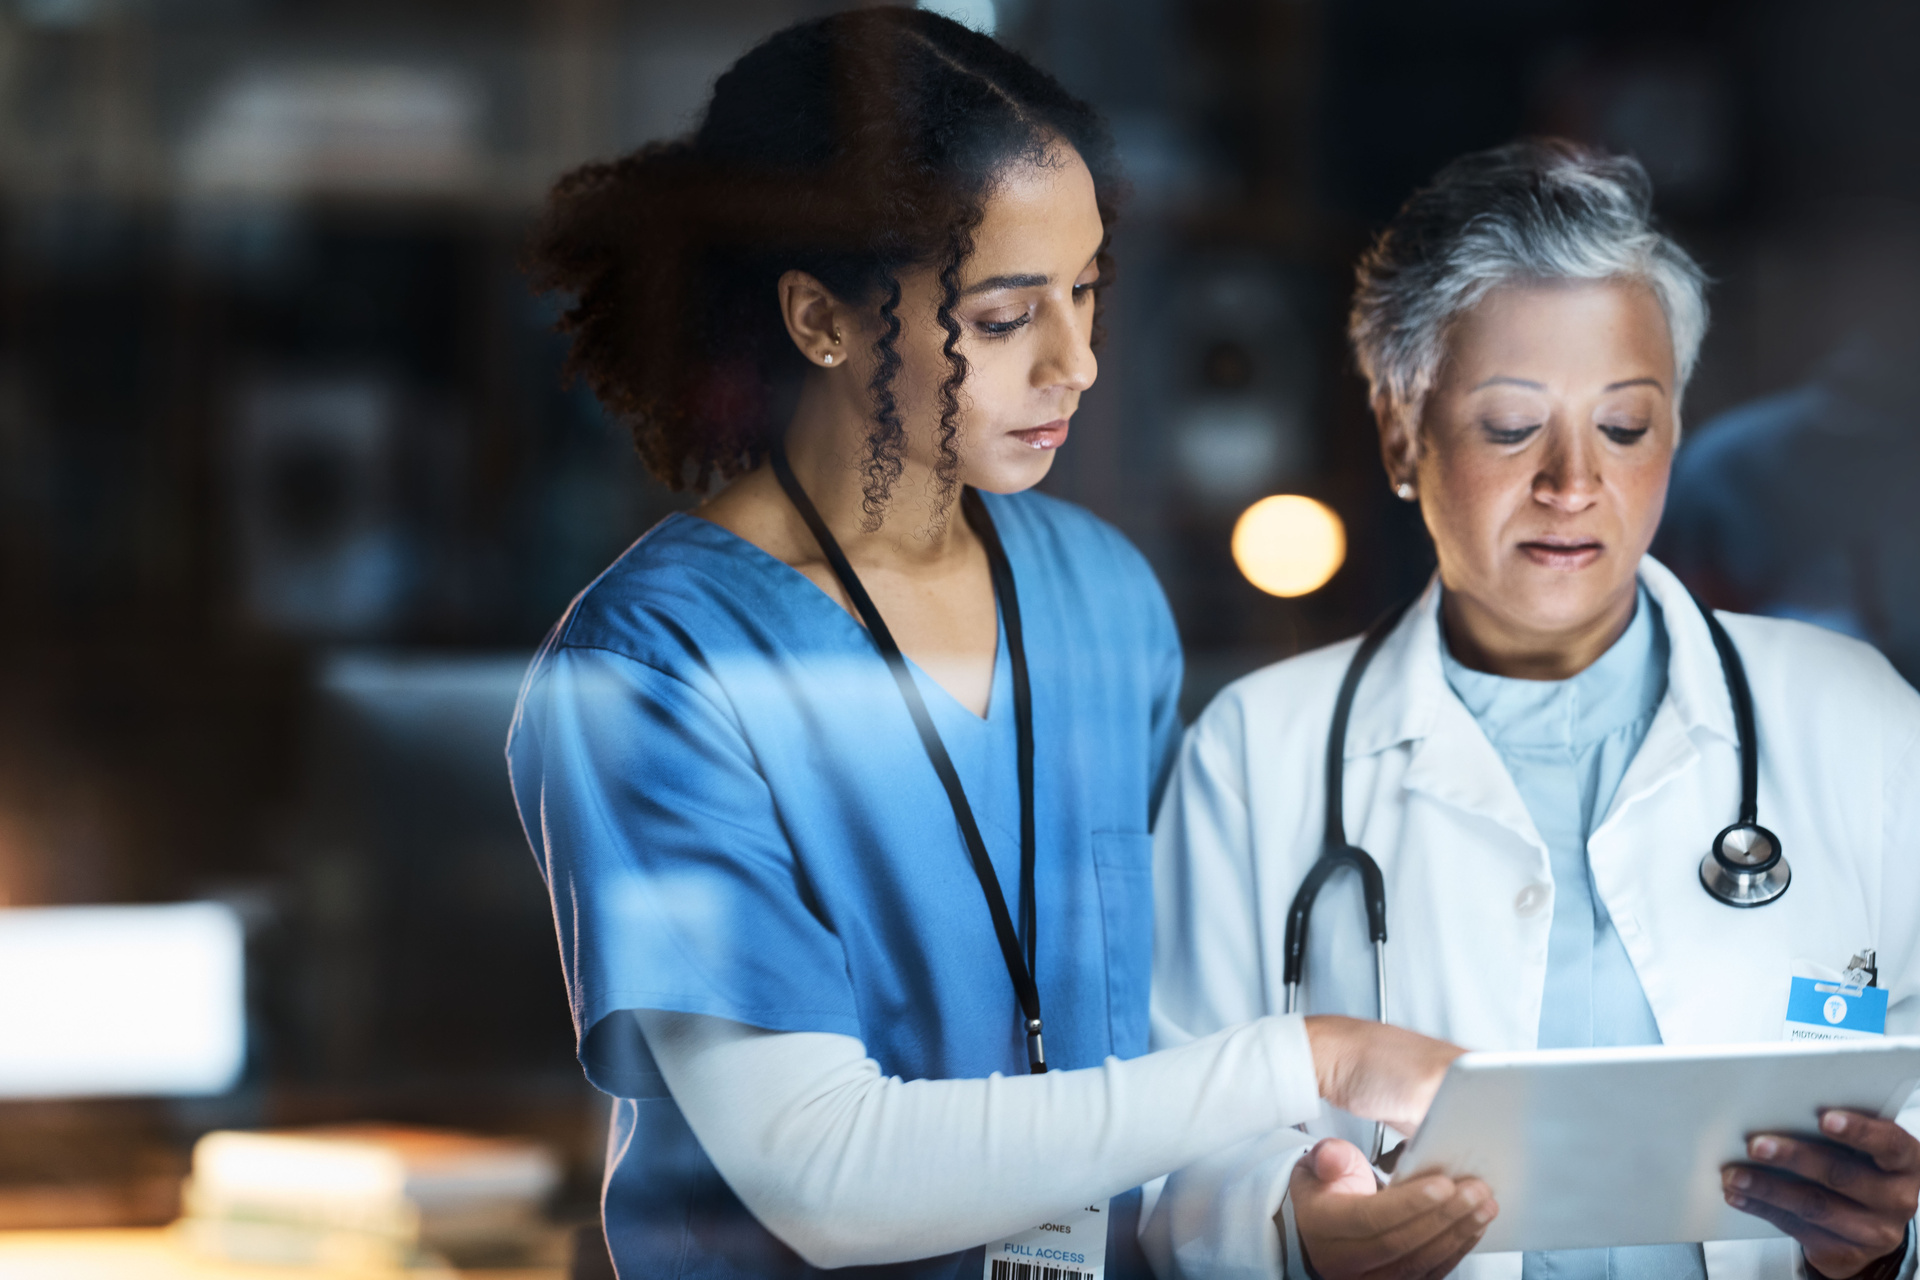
[
  {"x": 1048, "y": 435},
  {"x": 1562, "y": 553}
]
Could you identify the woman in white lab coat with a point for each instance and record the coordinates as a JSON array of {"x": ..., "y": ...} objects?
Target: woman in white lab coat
[{"x": 1538, "y": 757}]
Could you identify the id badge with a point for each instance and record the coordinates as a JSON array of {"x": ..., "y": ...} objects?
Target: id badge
[
  {"x": 1072, "y": 1248},
  {"x": 1822, "y": 1008}
]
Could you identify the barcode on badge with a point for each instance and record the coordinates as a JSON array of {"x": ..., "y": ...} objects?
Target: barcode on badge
[{"x": 1004, "y": 1269}]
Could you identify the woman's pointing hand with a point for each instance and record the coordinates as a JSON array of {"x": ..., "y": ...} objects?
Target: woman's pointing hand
[{"x": 1377, "y": 1071}]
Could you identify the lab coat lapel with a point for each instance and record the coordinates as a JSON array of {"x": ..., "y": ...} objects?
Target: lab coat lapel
[
  {"x": 1628, "y": 861},
  {"x": 1406, "y": 699},
  {"x": 1696, "y": 700},
  {"x": 1456, "y": 766},
  {"x": 1660, "y": 799},
  {"x": 1696, "y": 685}
]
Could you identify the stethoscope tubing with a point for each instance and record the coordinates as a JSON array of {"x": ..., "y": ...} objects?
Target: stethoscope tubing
[
  {"x": 1337, "y": 855},
  {"x": 1740, "y": 693}
]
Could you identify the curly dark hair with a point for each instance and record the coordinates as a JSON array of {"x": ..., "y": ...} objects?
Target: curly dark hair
[{"x": 852, "y": 147}]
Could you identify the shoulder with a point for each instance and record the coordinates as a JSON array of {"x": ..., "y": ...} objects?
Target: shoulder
[
  {"x": 1827, "y": 657},
  {"x": 1813, "y": 672},
  {"x": 1076, "y": 552},
  {"x": 1288, "y": 699},
  {"x": 683, "y": 573},
  {"x": 642, "y": 654},
  {"x": 685, "y": 592}
]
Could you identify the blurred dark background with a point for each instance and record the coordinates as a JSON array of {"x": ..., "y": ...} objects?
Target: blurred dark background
[{"x": 290, "y": 488}]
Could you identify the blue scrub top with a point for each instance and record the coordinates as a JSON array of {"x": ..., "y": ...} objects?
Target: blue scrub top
[
  {"x": 1567, "y": 745},
  {"x": 735, "y": 817}
]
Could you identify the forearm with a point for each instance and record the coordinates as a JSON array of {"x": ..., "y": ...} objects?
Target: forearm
[{"x": 833, "y": 1157}]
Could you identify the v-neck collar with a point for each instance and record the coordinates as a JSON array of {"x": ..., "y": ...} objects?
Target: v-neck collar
[
  {"x": 785, "y": 577},
  {"x": 996, "y": 692}
]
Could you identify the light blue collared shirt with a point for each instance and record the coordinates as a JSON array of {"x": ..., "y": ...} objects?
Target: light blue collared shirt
[{"x": 1567, "y": 745}]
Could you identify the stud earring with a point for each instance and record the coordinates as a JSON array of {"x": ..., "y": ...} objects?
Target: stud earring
[
  {"x": 828, "y": 358},
  {"x": 1405, "y": 491}
]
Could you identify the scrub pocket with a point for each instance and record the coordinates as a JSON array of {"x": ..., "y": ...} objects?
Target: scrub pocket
[{"x": 1123, "y": 864}]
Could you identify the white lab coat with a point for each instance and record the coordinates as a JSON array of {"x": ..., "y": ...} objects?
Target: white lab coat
[{"x": 1469, "y": 885}]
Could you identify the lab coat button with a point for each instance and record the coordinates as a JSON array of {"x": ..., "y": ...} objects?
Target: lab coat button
[{"x": 1530, "y": 900}]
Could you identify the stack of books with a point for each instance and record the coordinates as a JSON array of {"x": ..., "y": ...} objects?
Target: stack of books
[{"x": 367, "y": 1197}]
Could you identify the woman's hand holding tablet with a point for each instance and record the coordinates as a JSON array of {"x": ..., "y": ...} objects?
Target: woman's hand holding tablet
[
  {"x": 1350, "y": 1226},
  {"x": 1847, "y": 1200}
]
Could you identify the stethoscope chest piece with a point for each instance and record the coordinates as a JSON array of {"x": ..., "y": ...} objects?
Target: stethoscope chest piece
[{"x": 1746, "y": 867}]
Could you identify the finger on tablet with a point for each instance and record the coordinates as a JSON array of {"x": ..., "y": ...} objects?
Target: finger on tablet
[
  {"x": 1835, "y": 1214},
  {"x": 1828, "y": 1253},
  {"x": 1883, "y": 1141},
  {"x": 1851, "y": 1173}
]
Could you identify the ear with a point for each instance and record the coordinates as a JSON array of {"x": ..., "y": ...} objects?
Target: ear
[
  {"x": 1399, "y": 438},
  {"x": 817, "y": 321}
]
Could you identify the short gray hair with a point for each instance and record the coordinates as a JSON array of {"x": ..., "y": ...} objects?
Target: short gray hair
[{"x": 1539, "y": 209}]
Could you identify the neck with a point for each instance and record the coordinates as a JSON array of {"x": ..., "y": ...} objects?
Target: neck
[
  {"x": 1485, "y": 641},
  {"x": 827, "y": 452}
]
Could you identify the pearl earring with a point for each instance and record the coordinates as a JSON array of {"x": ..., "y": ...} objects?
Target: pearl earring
[{"x": 1405, "y": 491}]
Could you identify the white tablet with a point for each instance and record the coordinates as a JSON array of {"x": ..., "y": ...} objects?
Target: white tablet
[{"x": 1600, "y": 1147}]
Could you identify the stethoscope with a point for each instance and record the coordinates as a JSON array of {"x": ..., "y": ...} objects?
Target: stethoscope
[{"x": 1744, "y": 868}]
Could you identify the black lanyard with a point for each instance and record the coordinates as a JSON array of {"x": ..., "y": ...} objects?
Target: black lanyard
[{"x": 1020, "y": 967}]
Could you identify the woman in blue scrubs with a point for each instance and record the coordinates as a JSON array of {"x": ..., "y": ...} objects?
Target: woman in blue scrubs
[{"x": 841, "y": 783}]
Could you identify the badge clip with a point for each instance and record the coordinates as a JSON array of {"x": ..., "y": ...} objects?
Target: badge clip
[{"x": 1862, "y": 970}]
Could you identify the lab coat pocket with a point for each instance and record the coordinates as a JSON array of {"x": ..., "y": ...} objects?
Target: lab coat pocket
[{"x": 1123, "y": 865}]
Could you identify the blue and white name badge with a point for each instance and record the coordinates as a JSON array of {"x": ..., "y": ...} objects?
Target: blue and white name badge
[
  {"x": 1072, "y": 1248},
  {"x": 1818, "y": 1009}
]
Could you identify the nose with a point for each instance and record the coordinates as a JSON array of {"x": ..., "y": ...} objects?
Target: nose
[
  {"x": 1064, "y": 356},
  {"x": 1569, "y": 475}
]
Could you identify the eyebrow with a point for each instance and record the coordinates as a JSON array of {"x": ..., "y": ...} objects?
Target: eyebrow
[
  {"x": 1501, "y": 380},
  {"x": 1027, "y": 281},
  {"x": 1005, "y": 282}
]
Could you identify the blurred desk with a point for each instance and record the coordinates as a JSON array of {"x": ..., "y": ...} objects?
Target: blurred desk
[{"x": 151, "y": 1253}]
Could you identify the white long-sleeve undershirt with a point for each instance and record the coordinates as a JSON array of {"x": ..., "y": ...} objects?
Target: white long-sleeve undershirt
[{"x": 850, "y": 1167}]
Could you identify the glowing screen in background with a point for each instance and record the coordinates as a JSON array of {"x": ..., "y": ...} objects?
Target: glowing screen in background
[{"x": 121, "y": 1000}]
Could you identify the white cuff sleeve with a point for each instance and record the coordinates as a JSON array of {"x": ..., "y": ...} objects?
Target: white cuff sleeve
[
  {"x": 1215, "y": 1217},
  {"x": 1296, "y": 1088}
]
